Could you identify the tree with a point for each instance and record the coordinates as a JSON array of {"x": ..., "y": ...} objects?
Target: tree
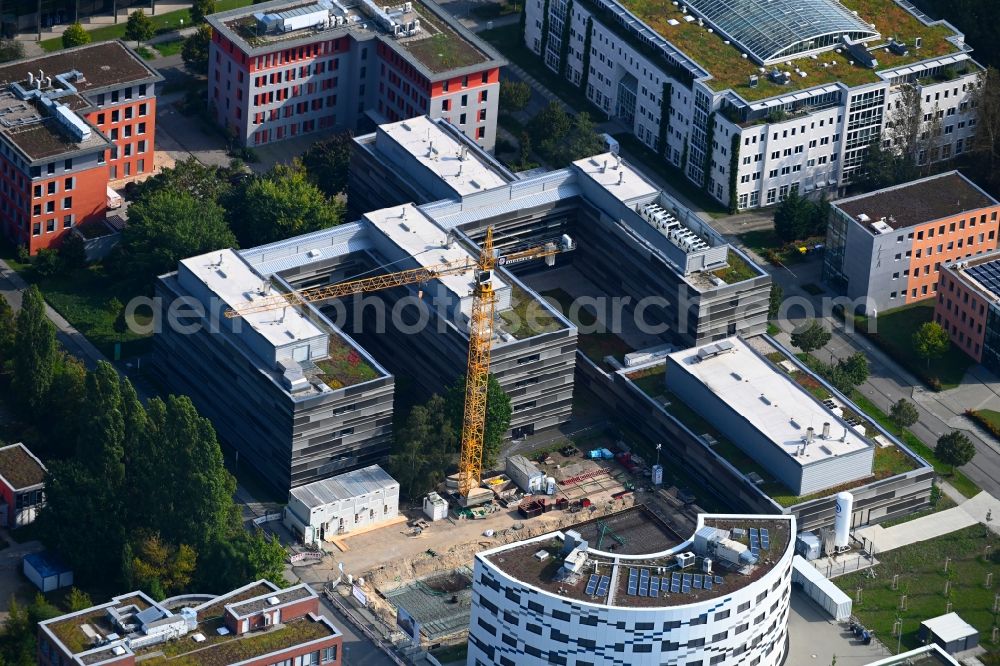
[
  {"x": 774, "y": 300},
  {"x": 11, "y": 49},
  {"x": 67, "y": 400},
  {"x": 266, "y": 557},
  {"x": 168, "y": 226},
  {"x": 955, "y": 449},
  {"x": 514, "y": 95},
  {"x": 498, "y": 413},
  {"x": 73, "y": 253},
  {"x": 904, "y": 413},
  {"x": 819, "y": 216},
  {"x": 163, "y": 566},
  {"x": 194, "y": 50},
  {"x": 281, "y": 204},
  {"x": 77, "y": 600},
  {"x": 139, "y": 27},
  {"x": 205, "y": 183},
  {"x": 855, "y": 368},
  {"x": 200, "y": 9},
  {"x": 930, "y": 341},
  {"x": 75, "y": 35},
  {"x": 986, "y": 142},
  {"x": 34, "y": 352},
  {"x": 424, "y": 448},
  {"x": 793, "y": 219},
  {"x": 326, "y": 163},
  {"x": 8, "y": 331},
  {"x": 811, "y": 336},
  {"x": 561, "y": 138},
  {"x": 551, "y": 123}
]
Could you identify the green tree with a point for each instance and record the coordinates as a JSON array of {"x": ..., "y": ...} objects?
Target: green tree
[
  {"x": 281, "y": 204},
  {"x": 67, "y": 402},
  {"x": 955, "y": 449},
  {"x": 194, "y": 50},
  {"x": 168, "y": 226},
  {"x": 200, "y": 9},
  {"x": 34, "y": 352},
  {"x": 855, "y": 367},
  {"x": 11, "y": 49},
  {"x": 205, "y": 183},
  {"x": 820, "y": 215},
  {"x": 77, "y": 600},
  {"x": 904, "y": 413},
  {"x": 774, "y": 300},
  {"x": 424, "y": 448},
  {"x": 930, "y": 341},
  {"x": 498, "y": 413},
  {"x": 139, "y": 27},
  {"x": 75, "y": 521},
  {"x": 551, "y": 123},
  {"x": 266, "y": 557},
  {"x": 793, "y": 219},
  {"x": 811, "y": 336},
  {"x": 163, "y": 566},
  {"x": 73, "y": 252},
  {"x": 75, "y": 35},
  {"x": 8, "y": 331},
  {"x": 326, "y": 163},
  {"x": 514, "y": 95}
]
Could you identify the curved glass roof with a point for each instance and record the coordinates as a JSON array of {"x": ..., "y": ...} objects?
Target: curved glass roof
[{"x": 774, "y": 30}]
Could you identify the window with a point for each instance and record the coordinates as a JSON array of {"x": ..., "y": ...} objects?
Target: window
[
  {"x": 68, "y": 184},
  {"x": 67, "y": 203}
]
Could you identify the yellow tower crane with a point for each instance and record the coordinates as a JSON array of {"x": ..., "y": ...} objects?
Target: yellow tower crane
[{"x": 470, "y": 466}]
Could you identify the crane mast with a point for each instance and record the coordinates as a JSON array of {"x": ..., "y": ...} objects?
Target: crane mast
[{"x": 477, "y": 373}]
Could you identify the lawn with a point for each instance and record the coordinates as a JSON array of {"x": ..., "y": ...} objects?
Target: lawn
[
  {"x": 920, "y": 568},
  {"x": 82, "y": 297},
  {"x": 955, "y": 477},
  {"x": 893, "y": 331},
  {"x": 173, "y": 47},
  {"x": 162, "y": 23},
  {"x": 987, "y": 418},
  {"x": 597, "y": 345}
]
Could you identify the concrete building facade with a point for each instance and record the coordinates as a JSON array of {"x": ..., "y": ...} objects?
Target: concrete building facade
[
  {"x": 73, "y": 121},
  {"x": 602, "y": 608},
  {"x": 752, "y": 117},
  {"x": 885, "y": 249},
  {"x": 298, "y": 399},
  {"x": 278, "y": 71}
]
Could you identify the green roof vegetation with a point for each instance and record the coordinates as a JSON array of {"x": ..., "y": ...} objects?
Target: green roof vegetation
[
  {"x": 443, "y": 50},
  {"x": 224, "y": 650},
  {"x": 68, "y": 631},
  {"x": 345, "y": 366},
  {"x": 730, "y": 70},
  {"x": 526, "y": 317},
  {"x": 738, "y": 270}
]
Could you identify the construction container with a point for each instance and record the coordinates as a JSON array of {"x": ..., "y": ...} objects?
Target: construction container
[{"x": 523, "y": 472}]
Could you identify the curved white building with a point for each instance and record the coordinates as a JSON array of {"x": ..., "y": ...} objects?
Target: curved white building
[{"x": 555, "y": 599}]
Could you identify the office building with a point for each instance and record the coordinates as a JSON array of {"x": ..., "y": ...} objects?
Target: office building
[
  {"x": 885, "y": 249},
  {"x": 256, "y": 625},
  {"x": 358, "y": 500},
  {"x": 756, "y": 99},
  {"x": 295, "y": 397},
  {"x": 22, "y": 486},
  {"x": 721, "y": 596},
  {"x": 968, "y": 306},
  {"x": 70, "y": 123},
  {"x": 773, "y": 419},
  {"x": 279, "y": 70}
]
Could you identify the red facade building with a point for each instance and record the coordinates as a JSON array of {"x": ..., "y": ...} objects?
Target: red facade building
[
  {"x": 22, "y": 486},
  {"x": 70, "y": 123},
  {"x": 277, "y": 72}
]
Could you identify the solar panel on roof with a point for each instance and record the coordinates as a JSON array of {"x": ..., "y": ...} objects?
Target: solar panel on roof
[
  {"x": 718, "y": 580},
  {"x": 753, "y": 532},
  {"x": 763, "y": 532},
  {"x": 654, "y": 587},
  {"x": 643, "y": 589},
  {"x": 644, "y": 573},
  {"x": 633, "y": 588},
  {"x": 675, "y": 587},
  {"x": 687, "y": 579},
  {"x": 686, "y": 589},
  {"x": 708, "y": 583},
  {"x": 675, "y": 576},
  {"x": 987, "y": 274}
]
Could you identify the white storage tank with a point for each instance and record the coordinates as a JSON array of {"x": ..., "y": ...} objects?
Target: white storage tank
[{"x": 842, "y": 526}]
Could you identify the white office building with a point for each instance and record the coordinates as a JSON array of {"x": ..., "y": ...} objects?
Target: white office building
[
  {"x": 720, "y": 597},
  {"x": 759, "y": 98},
  {"x": 345, "y": 503}
]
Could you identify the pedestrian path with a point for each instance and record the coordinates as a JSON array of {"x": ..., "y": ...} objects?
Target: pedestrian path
[{"x": 983, "y": 508}]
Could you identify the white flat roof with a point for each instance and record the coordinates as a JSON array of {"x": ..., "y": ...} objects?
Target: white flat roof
[
  {"x": 419, "y": 136},
  {"x": 950, "y": 627},
  {"x": 230, "y": 277},
  {"x": 616, "y": 176},
  {"x": 770, "y": 400},
  {"x": 344, "y": 486},
  {"x": 423, "y": 240}
]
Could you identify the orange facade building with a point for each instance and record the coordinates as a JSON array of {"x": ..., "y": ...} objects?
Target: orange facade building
[
  {"x": 70, "y": 123},
  {"x": 886, "y": 249}
]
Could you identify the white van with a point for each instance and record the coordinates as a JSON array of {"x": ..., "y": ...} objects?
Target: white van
[{"x": 114, "y": 199}]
